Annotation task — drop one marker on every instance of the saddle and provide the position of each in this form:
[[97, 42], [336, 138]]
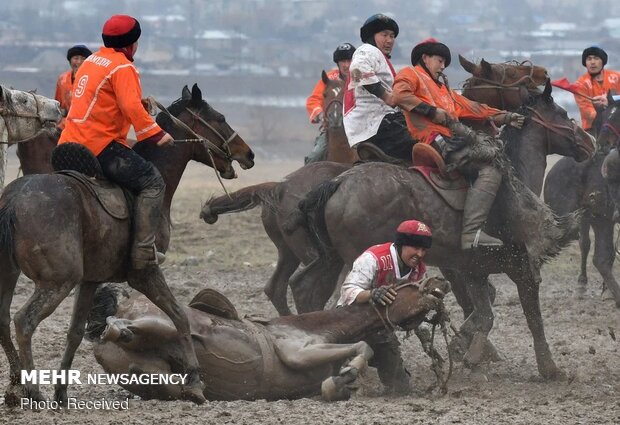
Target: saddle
[[450, 185], [213, 302], [76, 161]]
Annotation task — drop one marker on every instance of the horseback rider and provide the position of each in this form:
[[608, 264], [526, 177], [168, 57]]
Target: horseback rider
[[76, 55], [595, 83], [370, 114], [370, 280], [433, 110], [106, 101], [314, 104]]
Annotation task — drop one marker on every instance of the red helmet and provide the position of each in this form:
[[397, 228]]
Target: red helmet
[[413, 233]]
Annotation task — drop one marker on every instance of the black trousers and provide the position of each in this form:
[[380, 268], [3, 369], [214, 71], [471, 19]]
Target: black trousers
[[393, 137], [126, 168]]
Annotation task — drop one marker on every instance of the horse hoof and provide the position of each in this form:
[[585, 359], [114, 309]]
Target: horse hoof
[[61, 396], [14, 394], [554, 374], [480, 351], [334, 389], [194, 395], [582, 281]]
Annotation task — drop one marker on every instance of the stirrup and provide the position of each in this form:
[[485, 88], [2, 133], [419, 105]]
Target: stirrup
[[140, 261], [481, 239], [370, 152]]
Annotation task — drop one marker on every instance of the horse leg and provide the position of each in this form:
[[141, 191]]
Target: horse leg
[[315, 355], [604, 254], [584, 249], [151, 282], [81, 306], [314, 284], [459, 290], [528, 285], [45, 299], [277, 286], [8, 281]]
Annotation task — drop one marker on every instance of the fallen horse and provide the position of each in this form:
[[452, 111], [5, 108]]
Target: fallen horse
[[287, 357]]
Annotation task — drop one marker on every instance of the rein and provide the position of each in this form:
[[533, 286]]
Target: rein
[[197, 139], [327, 114], [554, 128], [441, 318]]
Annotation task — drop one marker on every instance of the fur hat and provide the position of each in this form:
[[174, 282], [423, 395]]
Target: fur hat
[[377, 23], [343, 52], [78, 50], [120, 31], [594, 51], [413, 233], [430, 46]]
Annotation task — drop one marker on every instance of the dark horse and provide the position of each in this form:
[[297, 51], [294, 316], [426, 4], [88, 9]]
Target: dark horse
[[279, 200], [571, 185], [363, 206], [288, 357], [56, 233]]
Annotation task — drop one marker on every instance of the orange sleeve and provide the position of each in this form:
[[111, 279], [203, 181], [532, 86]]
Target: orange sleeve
[[468, 109], [314, 103], [126, 84], [404, 89], [58, 94]]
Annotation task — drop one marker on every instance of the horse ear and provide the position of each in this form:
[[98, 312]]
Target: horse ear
[[467, 65], [196, 95], [324, 77], [547, 92], [186, 94], [487, 69]]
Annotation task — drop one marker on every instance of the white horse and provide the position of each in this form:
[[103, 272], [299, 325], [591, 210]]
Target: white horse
[[24, 115]]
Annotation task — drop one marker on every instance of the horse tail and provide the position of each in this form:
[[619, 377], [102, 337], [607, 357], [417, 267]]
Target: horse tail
[[105, 304], [311, 215], [560, 235], [242, 200], [8, 219]]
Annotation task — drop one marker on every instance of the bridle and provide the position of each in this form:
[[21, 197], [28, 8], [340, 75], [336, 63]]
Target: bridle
[[607, 125], [501, 86], [7, 112], [222, 151], [330, 104], [570, 134]]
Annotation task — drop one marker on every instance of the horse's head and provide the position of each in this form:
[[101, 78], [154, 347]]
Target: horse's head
[[562, 135], [502, 85], [24, 114], [332, 101], [223, 144], [609, 133], [414, 300]]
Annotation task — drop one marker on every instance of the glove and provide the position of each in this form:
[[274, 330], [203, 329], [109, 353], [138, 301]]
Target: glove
[[318, 118], [441, 117], [383, 295]]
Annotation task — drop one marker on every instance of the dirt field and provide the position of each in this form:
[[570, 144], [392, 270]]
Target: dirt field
[[236, 257]]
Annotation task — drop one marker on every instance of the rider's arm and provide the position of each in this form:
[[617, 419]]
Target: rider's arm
[[404, 95], [126, 84], [469, 109], [359, 282], [314, 103]]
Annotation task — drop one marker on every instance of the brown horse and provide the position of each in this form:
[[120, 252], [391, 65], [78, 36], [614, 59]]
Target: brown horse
[[505, 86], [288, 357], [571, 185], [58, 234], [338, 148], [379, 196]]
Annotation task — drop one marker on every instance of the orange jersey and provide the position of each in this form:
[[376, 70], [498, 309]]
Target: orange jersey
[[64, 87], [413, 86], [611, 81], [106, 102], [314, 103]]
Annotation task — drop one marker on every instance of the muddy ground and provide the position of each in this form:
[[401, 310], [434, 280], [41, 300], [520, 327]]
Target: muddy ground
[[236, 257]]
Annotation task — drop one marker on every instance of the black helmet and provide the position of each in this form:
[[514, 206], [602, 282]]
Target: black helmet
[[375, 24], [343, 52], [594, 51], [430, 46], [78, 50]]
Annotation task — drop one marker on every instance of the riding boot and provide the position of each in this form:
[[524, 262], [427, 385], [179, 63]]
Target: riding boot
[[389, 363], [477, 206], [146, 222]]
